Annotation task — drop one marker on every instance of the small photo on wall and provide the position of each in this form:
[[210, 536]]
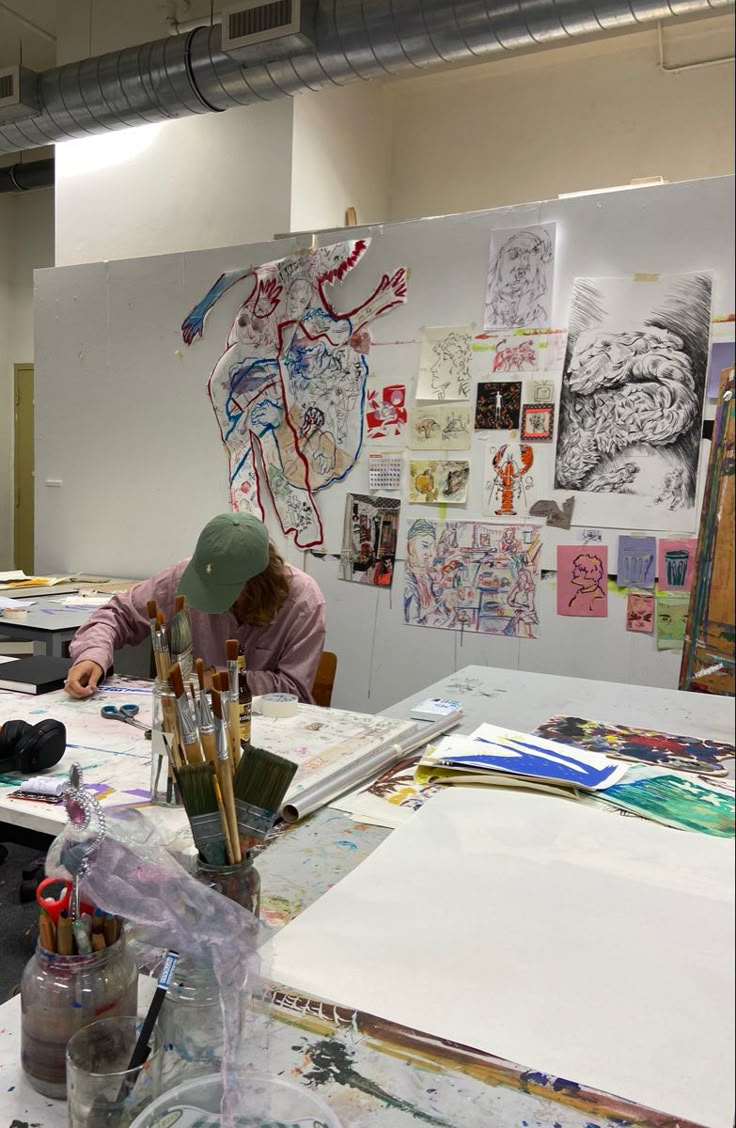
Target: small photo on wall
[[498, 406], [537, 422]]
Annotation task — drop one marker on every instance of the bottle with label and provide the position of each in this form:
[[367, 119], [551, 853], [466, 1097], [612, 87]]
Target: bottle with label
[[245, 701]]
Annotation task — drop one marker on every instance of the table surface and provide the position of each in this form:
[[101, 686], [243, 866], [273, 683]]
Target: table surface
[[375, 1074]]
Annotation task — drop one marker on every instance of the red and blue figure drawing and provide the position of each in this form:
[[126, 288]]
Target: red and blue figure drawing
[[289, 390]]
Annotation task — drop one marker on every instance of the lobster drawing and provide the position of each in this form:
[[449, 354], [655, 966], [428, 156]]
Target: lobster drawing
[[508, 474]]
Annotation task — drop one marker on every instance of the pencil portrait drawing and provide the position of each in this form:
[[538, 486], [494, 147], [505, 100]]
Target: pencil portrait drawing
[[520, 274]]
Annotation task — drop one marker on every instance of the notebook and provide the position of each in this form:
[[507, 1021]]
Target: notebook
[[37, 674]]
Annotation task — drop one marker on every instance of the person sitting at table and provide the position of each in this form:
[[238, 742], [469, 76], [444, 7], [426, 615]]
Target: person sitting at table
[[237, 586]]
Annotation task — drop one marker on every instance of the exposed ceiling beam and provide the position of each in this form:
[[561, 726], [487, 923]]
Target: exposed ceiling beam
[[29, 24]]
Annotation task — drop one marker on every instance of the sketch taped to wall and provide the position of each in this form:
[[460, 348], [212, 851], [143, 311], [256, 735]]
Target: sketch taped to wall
[[537, 422], [671, 619], [472, 576], [675, 564], [441, 426], [386, 413], [582, 580], [432, 482], [640, 613], [289, 389], [520, 275], [632, 397], [637, 561], [498, 405], [369, 539], [508, 483], [444, 363]]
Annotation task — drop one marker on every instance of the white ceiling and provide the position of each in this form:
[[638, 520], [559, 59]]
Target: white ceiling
[[38, 50]]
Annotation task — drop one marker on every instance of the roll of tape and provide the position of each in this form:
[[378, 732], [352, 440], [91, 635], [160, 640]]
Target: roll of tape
[[279, 704], [14, 613]]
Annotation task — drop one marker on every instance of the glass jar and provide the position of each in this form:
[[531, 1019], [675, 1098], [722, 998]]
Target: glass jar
[[164, 792], [190, 1023], [61, 994], [240, 883]]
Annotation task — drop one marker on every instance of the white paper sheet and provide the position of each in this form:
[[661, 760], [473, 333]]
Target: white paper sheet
[[594, 948]]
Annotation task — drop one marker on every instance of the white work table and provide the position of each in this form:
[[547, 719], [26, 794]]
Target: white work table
[[301, 864], [48, 627]]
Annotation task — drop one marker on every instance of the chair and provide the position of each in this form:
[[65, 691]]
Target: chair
[[324, 679]]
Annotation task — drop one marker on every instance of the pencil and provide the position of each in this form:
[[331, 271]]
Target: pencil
[[108, 929], [64, 935], [47, 932]]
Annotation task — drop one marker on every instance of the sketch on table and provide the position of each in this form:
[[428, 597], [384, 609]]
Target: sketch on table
[[582, 581], [441, 426], [444, 363], [671, 620], [435, 482], [633, 388], [386, 413], [537, 422], [370, 532], [498, 405], [520, 275], [676, 563], [636, 561], [472, 576], [640, 613], [288, 391], [508, 480]]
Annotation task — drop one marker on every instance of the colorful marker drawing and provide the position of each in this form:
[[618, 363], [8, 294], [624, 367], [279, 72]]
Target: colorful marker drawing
[[681, 753], [471, 576], [289, 389]]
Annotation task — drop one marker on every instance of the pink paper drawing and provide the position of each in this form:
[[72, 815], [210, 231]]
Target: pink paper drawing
[[386, 411], [675, 563], [582, 580], [640, 613]]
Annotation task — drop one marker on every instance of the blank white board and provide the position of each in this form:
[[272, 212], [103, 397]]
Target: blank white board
[[123, 421], [565, 939]]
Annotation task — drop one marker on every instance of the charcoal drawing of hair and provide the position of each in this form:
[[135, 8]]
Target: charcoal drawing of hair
[[632, 397]]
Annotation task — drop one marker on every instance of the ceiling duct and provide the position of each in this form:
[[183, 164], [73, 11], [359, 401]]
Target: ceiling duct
[[355, 39]]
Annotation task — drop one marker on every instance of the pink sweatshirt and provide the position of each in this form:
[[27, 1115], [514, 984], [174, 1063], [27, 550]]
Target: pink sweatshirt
[[281, 658]]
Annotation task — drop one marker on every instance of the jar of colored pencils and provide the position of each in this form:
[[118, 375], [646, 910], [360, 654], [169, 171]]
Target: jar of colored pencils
[[164, 745], [241, 882], [61, 994]]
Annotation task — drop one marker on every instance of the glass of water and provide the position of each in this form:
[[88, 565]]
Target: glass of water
[[102, 1092]]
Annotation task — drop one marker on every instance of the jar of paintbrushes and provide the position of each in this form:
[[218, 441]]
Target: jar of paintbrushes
[[63, 989]]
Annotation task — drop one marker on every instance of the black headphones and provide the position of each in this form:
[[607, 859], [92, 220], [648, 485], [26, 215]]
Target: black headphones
[[31, 748]]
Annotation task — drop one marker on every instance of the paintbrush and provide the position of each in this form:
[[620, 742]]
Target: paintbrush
[[205, 719], [224, 775], [142, 1047], [221, 681], [234, 712], [152, 609], [196, 783], [187, 726], [181, 636], [259, 787]]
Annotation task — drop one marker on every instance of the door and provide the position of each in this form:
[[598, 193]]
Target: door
[[24, 476]]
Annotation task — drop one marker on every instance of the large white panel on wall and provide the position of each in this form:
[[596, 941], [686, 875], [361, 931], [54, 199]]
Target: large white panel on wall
[[125, 423]]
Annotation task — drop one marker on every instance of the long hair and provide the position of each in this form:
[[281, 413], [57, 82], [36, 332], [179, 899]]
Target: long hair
[[263, 597]]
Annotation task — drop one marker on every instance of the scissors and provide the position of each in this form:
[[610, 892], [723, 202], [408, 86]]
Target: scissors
[[124, 713], [55, 906]]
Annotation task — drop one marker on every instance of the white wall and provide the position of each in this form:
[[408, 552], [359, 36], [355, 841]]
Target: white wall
[[114, 379], [26, 243], [340, 156], [210, 181], [586, 116]]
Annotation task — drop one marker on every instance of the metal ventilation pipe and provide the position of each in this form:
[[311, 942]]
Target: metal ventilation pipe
[[25, 177], [190, 74]]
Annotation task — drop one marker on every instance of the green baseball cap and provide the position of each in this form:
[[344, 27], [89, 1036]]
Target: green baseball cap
[[231, 549]]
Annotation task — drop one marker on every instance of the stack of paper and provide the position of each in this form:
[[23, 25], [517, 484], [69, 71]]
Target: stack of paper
[[479, 757]]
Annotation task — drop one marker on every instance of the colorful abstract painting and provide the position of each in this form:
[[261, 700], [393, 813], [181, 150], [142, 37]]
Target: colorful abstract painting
[[675, 564], [681, 753], [370, 532], [674, 800], [472, 576], [582, 580], [640, 613], [637, 559], [498, 406], [289, 389]]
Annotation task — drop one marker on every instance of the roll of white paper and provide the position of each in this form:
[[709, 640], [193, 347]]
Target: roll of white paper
[[279, 704]]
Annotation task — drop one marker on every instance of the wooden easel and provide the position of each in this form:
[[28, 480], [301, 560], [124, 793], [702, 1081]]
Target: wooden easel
[[708, 652]]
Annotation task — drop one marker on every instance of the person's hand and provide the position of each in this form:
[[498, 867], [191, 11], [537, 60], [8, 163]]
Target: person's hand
[[82, 679]]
